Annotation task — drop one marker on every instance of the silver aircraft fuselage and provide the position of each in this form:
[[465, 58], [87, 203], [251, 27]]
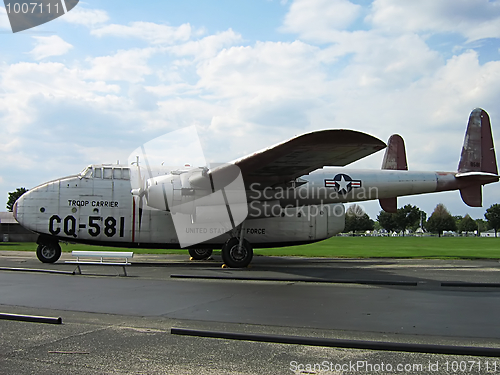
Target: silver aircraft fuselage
[[98, 208]]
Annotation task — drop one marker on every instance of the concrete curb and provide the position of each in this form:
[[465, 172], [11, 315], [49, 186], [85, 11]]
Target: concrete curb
[[341, 343]]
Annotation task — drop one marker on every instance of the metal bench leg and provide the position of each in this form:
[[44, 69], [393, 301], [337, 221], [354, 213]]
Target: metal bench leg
[[124, 271], [79, 269]]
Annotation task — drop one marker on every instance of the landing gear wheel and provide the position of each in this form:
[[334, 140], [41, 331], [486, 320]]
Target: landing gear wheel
[[200, 254], [48, 252], [235, 256]]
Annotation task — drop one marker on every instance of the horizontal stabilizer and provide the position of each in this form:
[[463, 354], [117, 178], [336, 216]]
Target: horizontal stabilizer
[[389, 204], [471, 182], [478, 177], [472, 195]]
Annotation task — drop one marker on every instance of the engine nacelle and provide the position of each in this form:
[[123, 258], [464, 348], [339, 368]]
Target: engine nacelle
[[173, 193], [160, 192], [218, 200]]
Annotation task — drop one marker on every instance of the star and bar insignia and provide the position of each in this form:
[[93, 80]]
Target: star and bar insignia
[[343, 183]]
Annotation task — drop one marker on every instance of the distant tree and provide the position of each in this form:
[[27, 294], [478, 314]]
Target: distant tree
[[492, 215], [458, 220], [405, 217], [357, 220], [441, 220], [14, 196], [387, 221], [467, 224], [482, 225], [365, 223]]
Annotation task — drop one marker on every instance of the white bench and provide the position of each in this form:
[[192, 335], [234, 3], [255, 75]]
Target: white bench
[[106, 258]]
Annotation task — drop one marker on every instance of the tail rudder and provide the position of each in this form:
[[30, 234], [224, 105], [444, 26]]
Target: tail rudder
[[394, 159], [478, 151], [395, 154], [478, 163]]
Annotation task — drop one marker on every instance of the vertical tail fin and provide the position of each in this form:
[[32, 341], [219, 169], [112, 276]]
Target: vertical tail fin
[[478, 152], [394, 159], [395, 154], [478, 158]]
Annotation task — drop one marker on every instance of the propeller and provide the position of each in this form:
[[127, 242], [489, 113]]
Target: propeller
[[142, 189], [195, 197], [139, 183]]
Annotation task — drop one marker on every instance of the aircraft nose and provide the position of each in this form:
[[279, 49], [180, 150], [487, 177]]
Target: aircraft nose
[[19, 208], [14, 210]]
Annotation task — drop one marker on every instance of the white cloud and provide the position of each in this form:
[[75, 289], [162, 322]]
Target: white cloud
[[268, 70], [464, 83], [472, 19], [25, 84], [143, 99], [125, 65], [151, 32], [48, 79], [49, 46], [207, 47], [380, 61], [86, 17], [315, 20]]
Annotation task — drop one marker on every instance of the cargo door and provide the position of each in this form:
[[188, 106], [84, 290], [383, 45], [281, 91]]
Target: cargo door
[[320, 220]]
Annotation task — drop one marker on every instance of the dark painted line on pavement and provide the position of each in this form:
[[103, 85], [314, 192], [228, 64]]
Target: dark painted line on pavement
[[31, 318], [466, 284], [340, 343], [300, 280], [36, 270]]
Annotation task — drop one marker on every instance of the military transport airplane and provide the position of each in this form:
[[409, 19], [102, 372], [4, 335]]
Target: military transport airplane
[[294, 190]]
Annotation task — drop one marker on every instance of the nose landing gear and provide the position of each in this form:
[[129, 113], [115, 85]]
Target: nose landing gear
[[48, 250]]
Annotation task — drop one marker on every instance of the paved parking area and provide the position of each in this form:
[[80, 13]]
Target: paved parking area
[[121, 325]]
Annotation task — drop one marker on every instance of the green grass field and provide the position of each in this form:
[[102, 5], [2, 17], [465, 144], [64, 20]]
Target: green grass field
[[347, 247]]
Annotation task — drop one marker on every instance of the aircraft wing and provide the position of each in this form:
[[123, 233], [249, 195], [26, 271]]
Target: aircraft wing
[[303, 154]]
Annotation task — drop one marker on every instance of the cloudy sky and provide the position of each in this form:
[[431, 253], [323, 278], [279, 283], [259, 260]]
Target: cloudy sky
[[93, 85]]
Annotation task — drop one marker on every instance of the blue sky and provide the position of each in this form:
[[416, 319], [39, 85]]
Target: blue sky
[[93, 85]]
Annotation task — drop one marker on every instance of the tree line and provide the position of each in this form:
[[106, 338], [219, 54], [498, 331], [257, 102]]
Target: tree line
[[411, 218]]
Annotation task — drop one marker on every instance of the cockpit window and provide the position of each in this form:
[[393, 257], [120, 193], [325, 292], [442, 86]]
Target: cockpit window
[[108, 172], [126, 174], [86, 173], [117, 173]]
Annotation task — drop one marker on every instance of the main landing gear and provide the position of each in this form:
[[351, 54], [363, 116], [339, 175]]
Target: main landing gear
[[200, 254], [48, 250], [237, 251]]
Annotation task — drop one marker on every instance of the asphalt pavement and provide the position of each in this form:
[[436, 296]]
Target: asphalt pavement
[[122, 325]]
